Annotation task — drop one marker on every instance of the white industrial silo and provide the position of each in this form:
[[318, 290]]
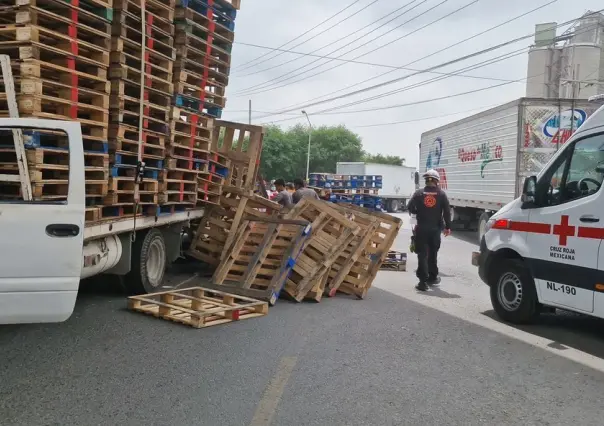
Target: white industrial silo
[[543, 74]]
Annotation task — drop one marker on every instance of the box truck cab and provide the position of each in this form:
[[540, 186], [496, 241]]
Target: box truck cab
[[544, 250]]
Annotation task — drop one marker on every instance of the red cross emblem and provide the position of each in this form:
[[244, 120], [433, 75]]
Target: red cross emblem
[[564, 230]]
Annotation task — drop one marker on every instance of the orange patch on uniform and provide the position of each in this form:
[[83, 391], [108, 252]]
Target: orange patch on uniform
[[429, 201]]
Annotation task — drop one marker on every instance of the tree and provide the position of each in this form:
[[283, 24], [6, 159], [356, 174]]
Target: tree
[[384, 159], [284, 151]]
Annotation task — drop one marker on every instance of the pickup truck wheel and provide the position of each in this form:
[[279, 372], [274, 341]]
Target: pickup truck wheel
[[148, 263], [513, 293], [393, 206], [482, 225]]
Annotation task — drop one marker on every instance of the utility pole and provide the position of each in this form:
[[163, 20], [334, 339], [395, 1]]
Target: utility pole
[[310, 129], [250, 113]]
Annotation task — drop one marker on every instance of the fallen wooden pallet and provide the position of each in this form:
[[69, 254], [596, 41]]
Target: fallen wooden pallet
[[198, 307], [217, 230], [331, 233], [263, 254], [354, 259], [364, 270]]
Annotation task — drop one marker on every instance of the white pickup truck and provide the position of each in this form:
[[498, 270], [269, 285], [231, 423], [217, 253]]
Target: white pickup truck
[[47, 247]]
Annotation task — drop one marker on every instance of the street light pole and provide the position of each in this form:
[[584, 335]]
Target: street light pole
[[309, 140]]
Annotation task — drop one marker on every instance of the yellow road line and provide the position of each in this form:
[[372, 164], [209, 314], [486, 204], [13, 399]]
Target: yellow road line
[[272, 395]]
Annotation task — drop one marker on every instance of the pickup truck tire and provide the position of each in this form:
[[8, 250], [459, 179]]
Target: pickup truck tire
[[513, 293], [148, 263], [392, 206]]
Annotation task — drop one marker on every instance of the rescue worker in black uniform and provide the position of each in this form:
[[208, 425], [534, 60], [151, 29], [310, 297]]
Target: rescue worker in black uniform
[[431, 207]]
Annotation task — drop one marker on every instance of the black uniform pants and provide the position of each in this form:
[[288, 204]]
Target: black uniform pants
[[427, 244]]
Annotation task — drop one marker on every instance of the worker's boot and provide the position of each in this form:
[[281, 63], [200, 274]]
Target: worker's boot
[[433, 281], [421, 286]]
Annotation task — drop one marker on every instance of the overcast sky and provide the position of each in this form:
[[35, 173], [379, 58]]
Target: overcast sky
[[271, 23]]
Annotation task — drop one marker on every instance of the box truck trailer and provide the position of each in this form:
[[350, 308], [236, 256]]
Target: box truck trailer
[[483, 159], [398, 182]]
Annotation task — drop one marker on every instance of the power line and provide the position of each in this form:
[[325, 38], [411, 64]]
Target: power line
[[243, 66], [435, 79], [306, 41], [403, 67], [440, 98], [460, 59], [434, 117], [373, 64], [375, 49], [456, 73], [270, 82], [444, 97]]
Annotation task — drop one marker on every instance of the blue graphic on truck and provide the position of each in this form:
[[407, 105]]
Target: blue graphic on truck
[[435, 154]]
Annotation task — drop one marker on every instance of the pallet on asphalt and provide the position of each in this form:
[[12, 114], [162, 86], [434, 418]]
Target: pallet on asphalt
[[395, 261], [376, 251], [351, 260], [331, 233], [198, 307], [262, 249]]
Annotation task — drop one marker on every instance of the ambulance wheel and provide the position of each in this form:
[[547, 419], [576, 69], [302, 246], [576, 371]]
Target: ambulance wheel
[[482, 225], [148, 263], [513, 293]]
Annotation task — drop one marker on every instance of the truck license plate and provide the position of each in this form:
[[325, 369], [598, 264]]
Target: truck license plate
[[475, 257]]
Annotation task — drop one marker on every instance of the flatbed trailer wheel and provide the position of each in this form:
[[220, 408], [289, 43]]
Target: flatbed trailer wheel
[[148, 263]]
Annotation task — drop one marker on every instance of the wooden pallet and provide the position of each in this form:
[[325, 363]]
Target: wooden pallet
[[198, 307], [262, 249], [218, 228], [195, 19], [354, 258], [59, 43], [395, 261], [363, 272], [331, 233], [241, 145]]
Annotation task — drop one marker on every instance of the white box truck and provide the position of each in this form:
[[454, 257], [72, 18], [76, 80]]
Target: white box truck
[[398, 182], [483, 159]]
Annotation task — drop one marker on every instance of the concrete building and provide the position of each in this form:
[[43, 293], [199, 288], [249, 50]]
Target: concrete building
[[570, 65]]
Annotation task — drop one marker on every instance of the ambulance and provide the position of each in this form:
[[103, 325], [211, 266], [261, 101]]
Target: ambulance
[[544, 250]]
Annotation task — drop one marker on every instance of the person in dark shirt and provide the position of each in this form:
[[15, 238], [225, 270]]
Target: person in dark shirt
[[283, 197], [302, 191], [432, 210]]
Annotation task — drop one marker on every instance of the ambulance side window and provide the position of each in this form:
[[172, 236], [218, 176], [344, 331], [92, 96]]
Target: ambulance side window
[[577, 173]]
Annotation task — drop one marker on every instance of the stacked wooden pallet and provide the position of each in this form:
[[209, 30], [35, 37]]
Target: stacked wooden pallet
[[142, 61], [314, 249], [60, 57]]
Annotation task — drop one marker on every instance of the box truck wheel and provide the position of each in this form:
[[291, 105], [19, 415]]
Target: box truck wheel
[[513, 293], [148, 262], [482, 224], [393, 206]]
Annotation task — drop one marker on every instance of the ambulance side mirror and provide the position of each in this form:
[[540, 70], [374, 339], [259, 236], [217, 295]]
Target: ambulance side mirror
[[528, 191]]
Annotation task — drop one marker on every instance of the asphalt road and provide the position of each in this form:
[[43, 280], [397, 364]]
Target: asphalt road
[[397, 358]]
